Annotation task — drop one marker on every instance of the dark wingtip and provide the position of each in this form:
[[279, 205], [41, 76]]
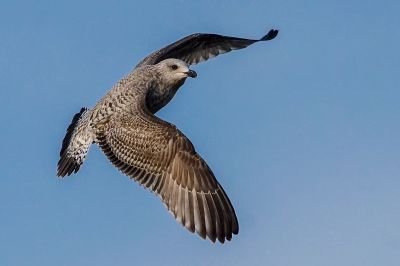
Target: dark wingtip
[[66, 166], [70, 130], [270, 35]]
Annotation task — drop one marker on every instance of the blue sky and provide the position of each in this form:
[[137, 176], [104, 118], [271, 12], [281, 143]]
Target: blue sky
[[302, 132]]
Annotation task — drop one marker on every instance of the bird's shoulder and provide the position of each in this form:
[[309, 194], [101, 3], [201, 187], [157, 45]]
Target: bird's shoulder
[[140, 128]]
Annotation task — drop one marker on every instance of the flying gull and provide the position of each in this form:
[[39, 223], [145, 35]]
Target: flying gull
[[150, 150]]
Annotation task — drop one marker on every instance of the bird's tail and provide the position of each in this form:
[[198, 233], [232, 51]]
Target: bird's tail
[[76, 144]]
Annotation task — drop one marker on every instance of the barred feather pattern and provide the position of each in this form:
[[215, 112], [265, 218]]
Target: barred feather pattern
[[75, 144], [160, 158]]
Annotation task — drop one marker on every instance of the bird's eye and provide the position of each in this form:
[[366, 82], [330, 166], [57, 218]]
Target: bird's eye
[[174, 67]]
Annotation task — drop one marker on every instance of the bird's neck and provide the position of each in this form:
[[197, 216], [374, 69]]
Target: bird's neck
[[160, 94]]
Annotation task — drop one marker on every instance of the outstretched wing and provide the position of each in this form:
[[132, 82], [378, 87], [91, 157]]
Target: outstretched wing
[[158, 156], [200, 47]]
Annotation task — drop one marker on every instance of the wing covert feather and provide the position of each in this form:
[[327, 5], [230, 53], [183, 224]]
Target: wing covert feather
[[161, 158]]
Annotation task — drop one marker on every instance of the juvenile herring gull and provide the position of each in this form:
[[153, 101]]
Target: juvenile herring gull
[[150, 150]]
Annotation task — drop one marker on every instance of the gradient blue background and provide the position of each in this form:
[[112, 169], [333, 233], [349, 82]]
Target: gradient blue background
[[302, 132]]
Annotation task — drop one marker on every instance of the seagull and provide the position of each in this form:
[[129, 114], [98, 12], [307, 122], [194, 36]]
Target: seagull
[[153, 152]]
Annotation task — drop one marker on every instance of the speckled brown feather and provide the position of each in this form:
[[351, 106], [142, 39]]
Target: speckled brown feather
[[158, 156]]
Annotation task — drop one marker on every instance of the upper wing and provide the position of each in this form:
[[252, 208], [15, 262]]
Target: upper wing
[[200, 47], [158, 156]]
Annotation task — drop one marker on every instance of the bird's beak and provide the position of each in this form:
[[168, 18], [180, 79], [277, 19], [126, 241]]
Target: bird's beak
[[191, 73]]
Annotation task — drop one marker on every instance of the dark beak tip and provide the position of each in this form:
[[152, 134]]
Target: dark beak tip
[[192, 73]]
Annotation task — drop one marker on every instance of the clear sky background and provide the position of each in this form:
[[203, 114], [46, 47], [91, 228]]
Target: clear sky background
[[302, 132]]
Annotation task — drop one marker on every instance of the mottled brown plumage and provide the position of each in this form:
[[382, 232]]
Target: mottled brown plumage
[[152, 151], [161, 158]]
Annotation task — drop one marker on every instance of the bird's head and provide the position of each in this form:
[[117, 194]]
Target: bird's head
[[174, 70]]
